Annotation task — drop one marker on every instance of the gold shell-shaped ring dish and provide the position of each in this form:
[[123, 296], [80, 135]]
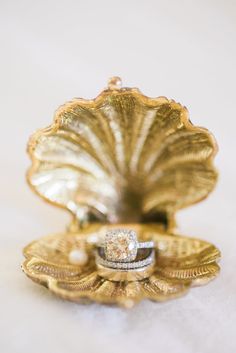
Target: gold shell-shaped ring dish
[[122, 161]]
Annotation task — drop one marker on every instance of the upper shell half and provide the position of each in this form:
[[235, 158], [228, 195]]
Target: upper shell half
[[122, 157]]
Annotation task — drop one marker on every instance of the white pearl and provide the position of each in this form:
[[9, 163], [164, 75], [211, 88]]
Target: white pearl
[[78, 257]]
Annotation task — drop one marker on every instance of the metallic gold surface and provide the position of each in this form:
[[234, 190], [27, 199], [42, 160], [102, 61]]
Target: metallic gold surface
[[181, 263], [122, 160], [122, 157]]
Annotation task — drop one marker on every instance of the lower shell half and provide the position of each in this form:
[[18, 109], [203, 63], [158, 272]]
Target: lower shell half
[[180, 262]]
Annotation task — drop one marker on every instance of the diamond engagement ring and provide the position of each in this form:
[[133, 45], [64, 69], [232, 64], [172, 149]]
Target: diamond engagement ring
[[121, 245], [120, 255]]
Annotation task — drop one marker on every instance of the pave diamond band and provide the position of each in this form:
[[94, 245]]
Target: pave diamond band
[[146, 244], [114, 274], [126, 265]]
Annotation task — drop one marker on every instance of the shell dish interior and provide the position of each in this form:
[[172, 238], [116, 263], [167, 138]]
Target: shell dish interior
[[122, 157]]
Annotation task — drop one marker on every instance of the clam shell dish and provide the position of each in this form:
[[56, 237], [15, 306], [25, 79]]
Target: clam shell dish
[[121, 160]]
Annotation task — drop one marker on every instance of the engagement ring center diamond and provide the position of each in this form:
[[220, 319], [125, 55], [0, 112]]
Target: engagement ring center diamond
[[121, 245]]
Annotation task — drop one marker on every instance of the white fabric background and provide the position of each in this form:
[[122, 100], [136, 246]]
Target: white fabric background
[[52, 51]]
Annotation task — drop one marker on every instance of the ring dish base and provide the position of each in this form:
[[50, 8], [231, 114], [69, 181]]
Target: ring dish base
[[181, 262]]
